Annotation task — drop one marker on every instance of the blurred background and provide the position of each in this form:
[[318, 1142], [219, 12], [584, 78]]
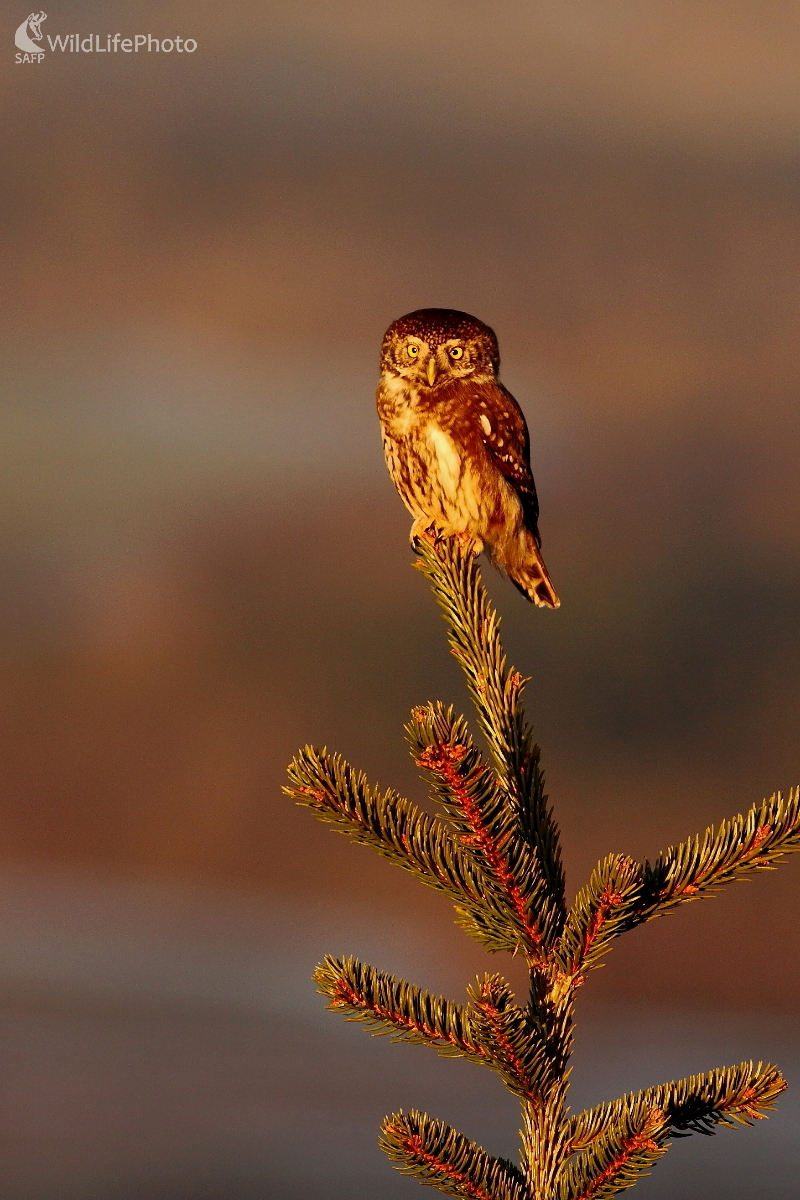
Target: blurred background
[[205, 565]]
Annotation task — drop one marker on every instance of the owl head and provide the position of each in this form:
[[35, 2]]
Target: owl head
[[433, 346]]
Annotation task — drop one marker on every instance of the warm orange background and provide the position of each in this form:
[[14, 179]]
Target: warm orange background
[[205, 564]]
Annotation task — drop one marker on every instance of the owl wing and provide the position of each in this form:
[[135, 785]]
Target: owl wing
[[505, 435]]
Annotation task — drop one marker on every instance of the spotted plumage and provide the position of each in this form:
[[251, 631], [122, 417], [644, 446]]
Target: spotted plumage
[[456, 443]]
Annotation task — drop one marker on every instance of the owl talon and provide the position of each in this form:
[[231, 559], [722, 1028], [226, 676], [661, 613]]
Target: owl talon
[[470, 544], [432, 534], [422, 531]]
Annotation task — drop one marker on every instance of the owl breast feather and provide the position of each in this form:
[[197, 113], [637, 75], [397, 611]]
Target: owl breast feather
[[446, 461], [445, 482], [439, 464]]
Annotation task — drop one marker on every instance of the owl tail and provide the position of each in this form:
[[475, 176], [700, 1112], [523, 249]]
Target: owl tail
[[520, 558]]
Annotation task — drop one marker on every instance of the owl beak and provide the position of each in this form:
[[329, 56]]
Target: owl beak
[[431, 370]]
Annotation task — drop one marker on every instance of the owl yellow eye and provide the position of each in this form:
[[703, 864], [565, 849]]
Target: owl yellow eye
[[412, 351], [456, 352]]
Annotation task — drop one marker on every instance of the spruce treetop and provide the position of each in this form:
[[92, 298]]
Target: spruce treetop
[[494, 852]]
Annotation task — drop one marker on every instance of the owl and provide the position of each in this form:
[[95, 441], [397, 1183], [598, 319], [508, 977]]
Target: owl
[[456, 443]]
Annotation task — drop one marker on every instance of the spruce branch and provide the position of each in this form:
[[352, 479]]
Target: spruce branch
[[389, 1005], [622, 894], [618, 1159], [443, 1158], [724, 1096], [600, 912], [496, 690], [405, 835], [739, 848], [618, 1142], [475, 803], [492, 1030], [530, 1063]]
